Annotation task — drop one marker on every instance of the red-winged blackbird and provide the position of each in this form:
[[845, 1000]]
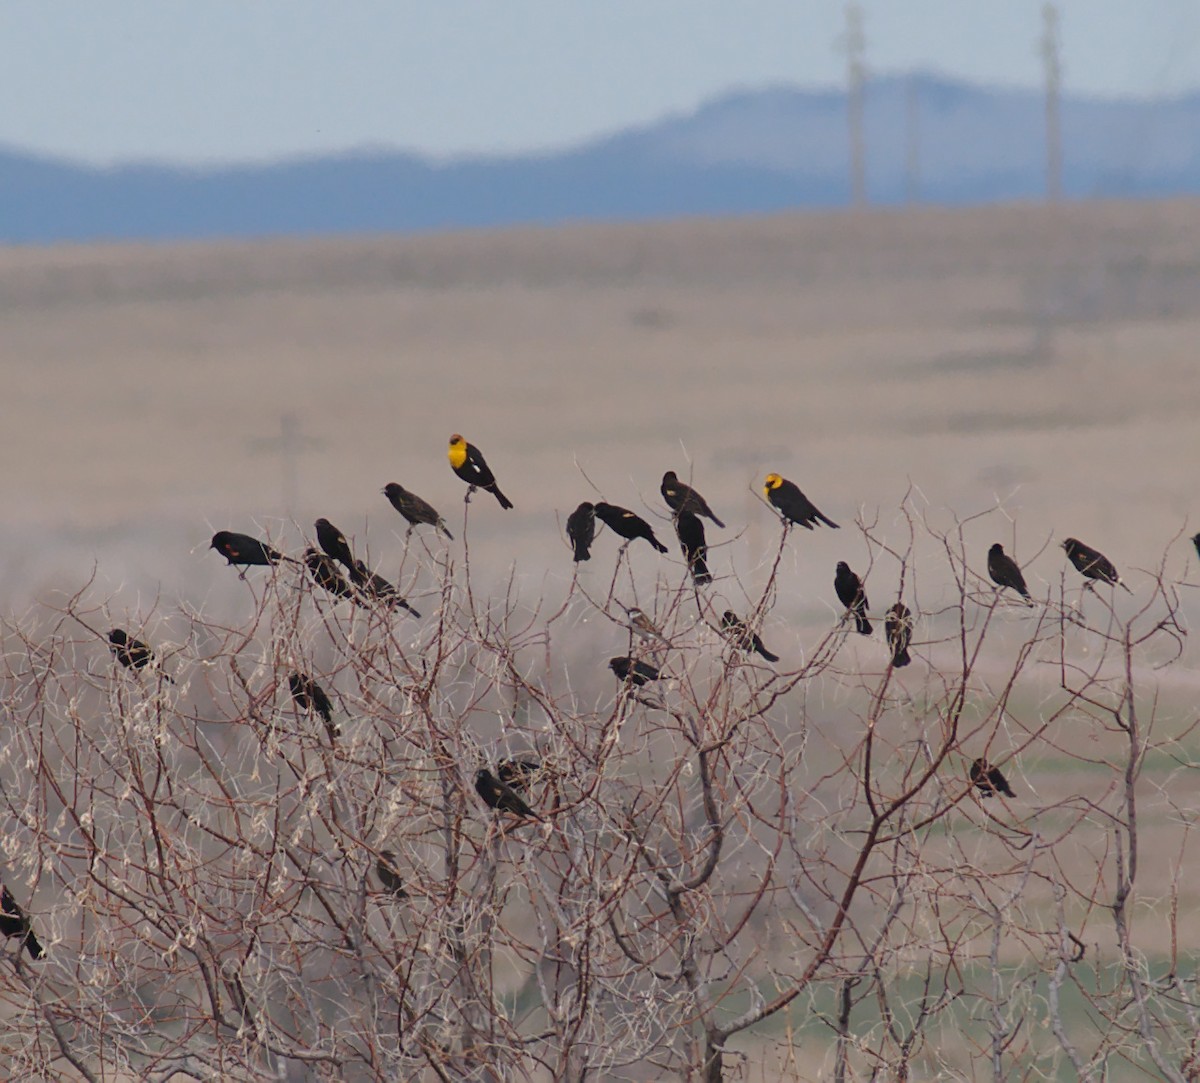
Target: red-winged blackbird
[[500, 795], [467, 462], [695, 549], [325, 574], [629, 525], [414, 509], [633, 671], [389, 875], [581, 529], [519, 774], [243, 549], [742, 637], [333, 541], [792, 504], [989, 780], [310, 696], [132, 653], [15, 922], [1092, 563], [1005, 573], [898, 628], [682, 497], [374, 587], [1196, 543], [850, 593]]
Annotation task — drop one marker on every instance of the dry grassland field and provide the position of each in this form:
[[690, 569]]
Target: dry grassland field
[[1036, 363]]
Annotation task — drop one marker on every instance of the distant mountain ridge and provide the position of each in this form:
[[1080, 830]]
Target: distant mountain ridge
[[747, 151]]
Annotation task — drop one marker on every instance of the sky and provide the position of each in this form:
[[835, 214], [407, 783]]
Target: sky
[[196, 81]]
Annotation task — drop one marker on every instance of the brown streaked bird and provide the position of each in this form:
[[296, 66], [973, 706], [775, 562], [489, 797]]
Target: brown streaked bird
[[373, 587], [989, 780], [898, 628], [333, 541], [743, 637], [694, 546], [133, 653], [244, 550], [633, 671], [850, 593], [325, 574], [682, 497], [643, 627], [581, 529], [468, 463], [389, 874], [1005, 572], [500, 795], [785, 496], [1092, 563], [310, 696], [627, 524], [414, 509], [15, 922]]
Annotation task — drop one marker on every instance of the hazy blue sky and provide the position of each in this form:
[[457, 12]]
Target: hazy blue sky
[[234, 79]]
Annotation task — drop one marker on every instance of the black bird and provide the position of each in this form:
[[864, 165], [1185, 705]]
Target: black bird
[[243, 549], [15, 922], [325, 574], [681, 497], [629, 525], [792, 504], [389, 875], [414, 509], [1196, 543], [374, 587], [989, 780], [850, 593], [1092, 563], [310, 696], [333, 541], [467, 462], [633, 671], [1004, 571], [581, 529], [743, 637], [695, 549], [132, 653], [519, 774], [898, 628], [500, 795]]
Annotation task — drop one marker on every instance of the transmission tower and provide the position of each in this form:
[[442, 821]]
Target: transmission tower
[[854, 43], [1053, 72]]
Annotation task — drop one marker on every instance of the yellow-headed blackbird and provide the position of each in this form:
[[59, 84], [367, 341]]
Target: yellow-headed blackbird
[[414, 509], [1092, 563], [581, 529], [632, 670], [519, 774], [643, 627], [500, 795], [1004, 571], [626, 523], [989, 780], [470, 465], [682, 497], [898, 628], [373, 587], [694, 546], [325, 574], [310, 696], [15, 922], [333, 541], [132, 653], [389, 875], [792, 504], [243, 549], [743, 637], [850, 593]]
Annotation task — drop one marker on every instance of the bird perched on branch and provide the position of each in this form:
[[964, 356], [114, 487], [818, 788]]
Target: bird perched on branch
[[1004, 571], [414, 509], [633, 671], [690, 532], [627, 524], [244, 550], [683, 498], [310, 696], [500, 795], [581, 529], [389, 874], [850, 593], [1092, 563], [375, 588], [15, 922], [898, 628], [519, 774], [325, 574], [989, 780], [132, 653], [333, 541], [469, 464], [643, 627], [743, 637], [792, 504]]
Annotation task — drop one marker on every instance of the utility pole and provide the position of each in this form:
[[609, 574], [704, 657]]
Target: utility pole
[[1053, 71], [289, 445], [854, 43], [912, 140]]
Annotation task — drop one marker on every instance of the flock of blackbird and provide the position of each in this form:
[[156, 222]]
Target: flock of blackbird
[[506, 790]]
